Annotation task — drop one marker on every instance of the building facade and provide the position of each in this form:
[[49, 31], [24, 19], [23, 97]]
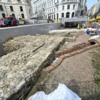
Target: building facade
[[39, 7], [95, 10], [56, 9], [19, 8]]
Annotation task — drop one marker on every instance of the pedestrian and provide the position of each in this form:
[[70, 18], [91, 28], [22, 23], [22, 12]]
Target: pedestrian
[[21, 21], [14, 22], [88, 32], [2, 23], [78, 26], [84, 25], [6, 22]]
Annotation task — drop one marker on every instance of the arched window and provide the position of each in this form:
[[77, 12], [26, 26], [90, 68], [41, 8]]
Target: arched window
[[62, 15], [13, 15], [67, 15], [1, 8], [3, 15], [22, 15], [73, 14]]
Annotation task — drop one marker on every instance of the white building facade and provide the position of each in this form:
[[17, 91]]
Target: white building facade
[[39, 7], [19, 8], [56, 9]]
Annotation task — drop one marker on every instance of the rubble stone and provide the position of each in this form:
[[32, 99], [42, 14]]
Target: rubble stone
[[22, 41], [22, 66]]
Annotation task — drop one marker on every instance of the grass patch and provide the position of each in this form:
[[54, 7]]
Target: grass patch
[[96, 65], [97, 81]]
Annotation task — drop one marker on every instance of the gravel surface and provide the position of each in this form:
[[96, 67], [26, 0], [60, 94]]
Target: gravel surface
[[78, 67], [76, 70], [80, 39]]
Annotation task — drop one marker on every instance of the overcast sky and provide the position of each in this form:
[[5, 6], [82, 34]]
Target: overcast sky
[[90, 3]]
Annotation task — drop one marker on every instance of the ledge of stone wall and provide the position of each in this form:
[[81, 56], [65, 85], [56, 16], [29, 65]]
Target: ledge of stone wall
[[10, 32]]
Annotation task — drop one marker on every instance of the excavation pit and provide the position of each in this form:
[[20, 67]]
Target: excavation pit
[[20, 68], [76, 48]]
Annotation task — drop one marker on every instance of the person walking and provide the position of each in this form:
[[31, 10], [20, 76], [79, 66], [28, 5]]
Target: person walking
[[78, 26], [6, 22], [88, 32]]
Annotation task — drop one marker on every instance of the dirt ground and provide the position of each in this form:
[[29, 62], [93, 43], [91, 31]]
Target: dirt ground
[[74, 70], [80, 38], [77, 68]]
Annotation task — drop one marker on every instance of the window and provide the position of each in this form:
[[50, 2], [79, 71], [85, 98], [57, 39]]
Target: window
[[73, 14], [62, 14], [73, 6], [63, 7], [49, 17], [54, 9], [22, 15], [3, 15], [21, 8], [67, 15], [13, 15], [54, 16], [11, 8], [68, 7], [82, 12], [19, 1], [57, 16], [9, 0], [1, 8]]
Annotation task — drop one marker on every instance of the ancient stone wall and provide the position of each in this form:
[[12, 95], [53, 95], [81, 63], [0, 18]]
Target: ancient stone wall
[[20, 69]]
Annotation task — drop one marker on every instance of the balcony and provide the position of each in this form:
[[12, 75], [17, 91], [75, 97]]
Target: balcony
[[70, 1]]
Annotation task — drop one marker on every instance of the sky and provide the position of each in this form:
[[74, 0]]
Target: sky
[[90, 3]]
